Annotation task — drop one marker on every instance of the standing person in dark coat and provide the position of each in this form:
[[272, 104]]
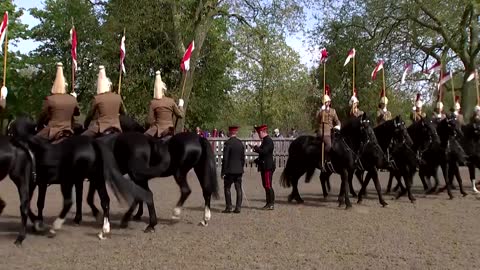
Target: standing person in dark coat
[[265, 164], [233, 162]]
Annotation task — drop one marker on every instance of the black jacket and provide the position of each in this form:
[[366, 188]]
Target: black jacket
[[265, 154], [233, 159]]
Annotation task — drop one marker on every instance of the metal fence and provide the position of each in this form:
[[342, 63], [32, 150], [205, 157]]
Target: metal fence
[[280, 152]]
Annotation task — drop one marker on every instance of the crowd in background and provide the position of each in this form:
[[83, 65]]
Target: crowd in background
[[216, 133]]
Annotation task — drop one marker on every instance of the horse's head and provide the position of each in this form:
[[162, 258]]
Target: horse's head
[[400, 133], [22, 127], [448, 128], [426, 132]]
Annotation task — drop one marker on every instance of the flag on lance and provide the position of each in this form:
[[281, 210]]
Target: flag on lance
[[377, 69], [351, 54], [323, 55], [3, 28], [445, 78], [185, 64], [73, 40], [122, 54], [433, 68], [408, 69]]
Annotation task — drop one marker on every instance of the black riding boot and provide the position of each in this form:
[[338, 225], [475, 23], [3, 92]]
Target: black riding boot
[[267, 198], [272, 199], [228, 200], [238, 205]]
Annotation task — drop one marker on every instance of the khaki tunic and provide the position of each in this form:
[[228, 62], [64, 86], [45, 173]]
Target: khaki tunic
[[57, 113], [104, 113], [382, 116], [160, 116], [329, 118], [3, 104], [417, 116]]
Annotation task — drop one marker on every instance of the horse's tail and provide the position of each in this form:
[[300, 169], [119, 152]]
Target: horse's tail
[[123, 187], [209, 169], [24, 146], [285, 179]]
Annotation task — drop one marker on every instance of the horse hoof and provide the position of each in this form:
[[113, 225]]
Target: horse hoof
[[384, 204], [137, 218], [354, 195], [203, 223], [124, 224], [19, 241], [175, 217], [52, 233], [464, 194], [102, 236], [359, 201], [450, 197], [348, 206], [290, 198], [39, 226], [149, 229], [77, 221], [300, 201]]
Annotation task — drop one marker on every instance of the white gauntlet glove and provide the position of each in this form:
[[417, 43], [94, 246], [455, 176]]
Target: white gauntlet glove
[[180, 102], [384, 110], [3, 93], [74, 94]]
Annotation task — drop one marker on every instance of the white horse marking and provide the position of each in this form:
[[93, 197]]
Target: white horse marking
[[176, 213], [57, 224]]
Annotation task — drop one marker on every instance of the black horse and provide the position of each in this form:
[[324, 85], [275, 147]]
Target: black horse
[[304, 156], [18, 162], [143, 158], [69, 163], [471, 144], [437, 147], [395, 142]]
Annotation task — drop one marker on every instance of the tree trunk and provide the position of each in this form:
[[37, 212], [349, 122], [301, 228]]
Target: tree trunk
[[469, 97]]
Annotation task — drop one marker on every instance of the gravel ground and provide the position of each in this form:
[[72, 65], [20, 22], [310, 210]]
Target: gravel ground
[[433, 233]]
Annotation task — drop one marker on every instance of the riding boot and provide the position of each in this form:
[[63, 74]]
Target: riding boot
[[272, 199], [267, 198], [474, 187], [228, 200], [238, 205]]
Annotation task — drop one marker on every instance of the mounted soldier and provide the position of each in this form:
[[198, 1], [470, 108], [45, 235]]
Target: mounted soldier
[[162, 110], [355, 111], [327, 119], [438, 114], [58, 110], [417, 113], [105, 108], [383, 114]]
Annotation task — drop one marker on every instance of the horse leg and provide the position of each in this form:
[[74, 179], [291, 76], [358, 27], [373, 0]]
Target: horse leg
[[2, 205], [364, 187], [323, 182], [66, 189], [105, 203], [181, 179], [128, 215], [139, 214], [426, 186], [345, 188], [471, 172], [378, 187], [295, 195], [22, 184], [38, 223], [408, 182], [456, 172], [403, 189], [91, 200], [151, 212], [327, 183], [79, 201], [389, 185], [350, 184], [445, 169], [359, 175]]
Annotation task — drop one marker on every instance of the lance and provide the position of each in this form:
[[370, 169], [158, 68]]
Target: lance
[[5, 59]]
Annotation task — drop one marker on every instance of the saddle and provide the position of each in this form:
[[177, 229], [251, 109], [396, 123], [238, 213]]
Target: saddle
[[109, 131], [62, 135], [165, 135]]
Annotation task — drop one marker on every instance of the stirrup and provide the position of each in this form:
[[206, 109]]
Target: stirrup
[[327, 166]]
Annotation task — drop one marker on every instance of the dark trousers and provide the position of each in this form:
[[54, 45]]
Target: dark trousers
[[228, 180], [267, 185]]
